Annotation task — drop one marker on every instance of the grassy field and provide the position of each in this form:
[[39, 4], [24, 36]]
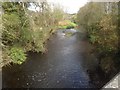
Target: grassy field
[[66, 24]]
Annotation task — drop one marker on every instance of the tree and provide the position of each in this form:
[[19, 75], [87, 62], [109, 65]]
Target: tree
[[24, 30], [89, 14], [101, 22]]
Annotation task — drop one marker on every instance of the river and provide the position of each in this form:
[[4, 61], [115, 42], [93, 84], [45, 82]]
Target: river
[[66, 64]]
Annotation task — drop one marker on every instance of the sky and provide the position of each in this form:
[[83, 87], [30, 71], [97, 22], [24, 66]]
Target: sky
[[70, 6]]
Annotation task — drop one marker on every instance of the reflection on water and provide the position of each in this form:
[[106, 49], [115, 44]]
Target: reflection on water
[[67, 64]]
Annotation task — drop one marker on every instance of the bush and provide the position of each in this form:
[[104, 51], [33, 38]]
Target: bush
[[17, 55], [27, 29], [11, 31]]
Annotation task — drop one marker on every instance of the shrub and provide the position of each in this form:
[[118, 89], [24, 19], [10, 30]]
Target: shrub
[[17, 55]]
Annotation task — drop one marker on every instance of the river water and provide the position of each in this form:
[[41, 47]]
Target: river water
[[66, 64]]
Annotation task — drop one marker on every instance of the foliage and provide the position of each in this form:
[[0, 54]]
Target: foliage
[[101, 25], [57, 13], [13, 31], [27, 29], [100, 21], [90, 14], [66, 24], [17, 55], [11, 23], [104, 35]]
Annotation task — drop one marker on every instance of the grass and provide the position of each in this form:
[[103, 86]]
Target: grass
[[66, 24]]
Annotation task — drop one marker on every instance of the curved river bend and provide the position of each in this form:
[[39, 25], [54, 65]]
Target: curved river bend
[[65, 65]]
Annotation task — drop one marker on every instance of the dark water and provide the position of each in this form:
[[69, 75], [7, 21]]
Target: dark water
[[66, 64]]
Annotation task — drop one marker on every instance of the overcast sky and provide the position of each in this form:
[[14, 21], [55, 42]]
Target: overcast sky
[[71, 6]]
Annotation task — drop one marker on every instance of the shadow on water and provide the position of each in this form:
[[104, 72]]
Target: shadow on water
[[67, 64]]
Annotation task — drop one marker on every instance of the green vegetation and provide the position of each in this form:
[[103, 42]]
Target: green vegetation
[[67, 24], [17, 55], [100, 21], [24, 30]]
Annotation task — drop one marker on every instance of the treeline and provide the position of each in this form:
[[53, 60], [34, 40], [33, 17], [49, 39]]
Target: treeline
[[100, 22], [24, 30]]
